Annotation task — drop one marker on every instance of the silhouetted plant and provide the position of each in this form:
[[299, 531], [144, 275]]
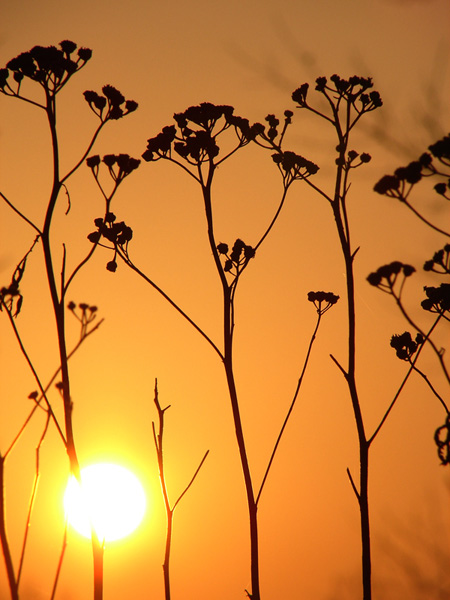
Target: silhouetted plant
[[348, 101], [435, 163], [170, 508], [51, 68], [193, 145], [430, 165]]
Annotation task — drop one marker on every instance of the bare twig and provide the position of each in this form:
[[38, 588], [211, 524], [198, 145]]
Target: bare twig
[[158, 439]]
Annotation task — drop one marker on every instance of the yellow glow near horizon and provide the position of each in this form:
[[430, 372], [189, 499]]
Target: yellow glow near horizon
[[110, 497]]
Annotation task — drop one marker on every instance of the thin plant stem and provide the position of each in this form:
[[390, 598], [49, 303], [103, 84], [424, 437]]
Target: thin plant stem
[[272, 223], [424, 220], [12, 580], [36, 377], [228, 329], [21, 215], [431, 386], [47, 387], [436, 350], [342, 125], [158, 439], [32, 497], [291, 408], [136, 269], [402, 385], [60, 562]]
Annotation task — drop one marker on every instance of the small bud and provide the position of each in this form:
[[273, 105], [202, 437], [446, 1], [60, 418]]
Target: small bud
[[111, 266]]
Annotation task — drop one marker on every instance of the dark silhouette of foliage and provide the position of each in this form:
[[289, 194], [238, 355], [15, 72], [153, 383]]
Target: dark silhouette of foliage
[[51, 68], [430, 165], [195, 143]]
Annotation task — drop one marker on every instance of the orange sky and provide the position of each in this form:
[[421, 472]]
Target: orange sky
[[252, 55]]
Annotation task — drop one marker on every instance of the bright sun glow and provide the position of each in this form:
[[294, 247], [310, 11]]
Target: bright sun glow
[[110, 497]]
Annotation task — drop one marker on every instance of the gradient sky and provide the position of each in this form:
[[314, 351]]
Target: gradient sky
[[252, 55]]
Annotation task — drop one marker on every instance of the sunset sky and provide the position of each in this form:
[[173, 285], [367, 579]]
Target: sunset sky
[[168, 56]]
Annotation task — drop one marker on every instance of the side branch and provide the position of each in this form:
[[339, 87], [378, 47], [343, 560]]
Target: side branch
[[171, 302], [291, 408], [340, 367], [353, 484]]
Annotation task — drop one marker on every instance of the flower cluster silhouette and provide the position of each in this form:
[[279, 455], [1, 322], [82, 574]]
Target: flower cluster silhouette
[[50, 66]]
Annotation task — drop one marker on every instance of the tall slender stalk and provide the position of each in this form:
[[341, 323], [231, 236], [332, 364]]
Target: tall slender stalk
[[51, 68], [348, 100], [12, 580], [350, 377], [158, 439]]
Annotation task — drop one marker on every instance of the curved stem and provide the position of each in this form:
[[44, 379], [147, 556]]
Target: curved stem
[[424, 220], [58, 303], [283, 198], [83, 158]]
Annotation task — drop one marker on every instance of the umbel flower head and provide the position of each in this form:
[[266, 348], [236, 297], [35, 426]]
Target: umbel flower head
[[440, 263], [355, 90], [441, 149], [395, 185], [238, 258], [118, 233], [400, 183], [293, 167], [194, 137], [111, 105], [119, 165], [50, 66], [323, 301], [437, 299], [405, 346], [385, 277]]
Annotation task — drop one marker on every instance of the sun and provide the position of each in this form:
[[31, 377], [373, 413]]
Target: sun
[[111, 499]]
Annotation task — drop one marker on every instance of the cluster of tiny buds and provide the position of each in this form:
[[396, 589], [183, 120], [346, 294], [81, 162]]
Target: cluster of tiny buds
[[354, 88], [349, 161], [440, 263], [50, 66], [295, 165], [405, 346], [85, 309], [112, 105], [385, 277], [437, 299], [239, 256], [323, 301], [394, 185], [119, 165]]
